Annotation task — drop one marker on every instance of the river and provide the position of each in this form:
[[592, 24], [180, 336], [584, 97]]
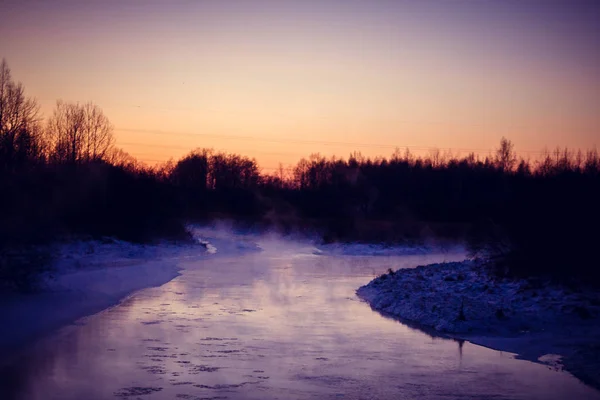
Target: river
[[281, 323]]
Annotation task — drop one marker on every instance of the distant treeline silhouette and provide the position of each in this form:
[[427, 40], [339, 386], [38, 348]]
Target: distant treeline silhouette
[[64, 176]]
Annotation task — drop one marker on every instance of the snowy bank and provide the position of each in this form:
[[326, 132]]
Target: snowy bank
[[462, 300], [87, 277], [461, 297], [369, 249]]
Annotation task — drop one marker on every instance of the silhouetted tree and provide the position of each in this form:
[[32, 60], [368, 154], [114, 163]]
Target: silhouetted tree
[[191, 172], [506, 158], [80, 133], [121, 158], [535, 218], [21, 139]]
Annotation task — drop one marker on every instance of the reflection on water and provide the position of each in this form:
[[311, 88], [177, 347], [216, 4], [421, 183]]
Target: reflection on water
[[279, 324]]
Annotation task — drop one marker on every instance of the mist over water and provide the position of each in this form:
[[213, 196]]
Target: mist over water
[[267, 318], [321, 144]]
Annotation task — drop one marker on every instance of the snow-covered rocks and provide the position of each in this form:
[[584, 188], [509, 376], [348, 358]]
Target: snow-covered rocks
[[463, 297]]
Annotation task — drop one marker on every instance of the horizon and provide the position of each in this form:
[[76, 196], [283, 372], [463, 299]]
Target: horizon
[[299, 199], [277, 81]]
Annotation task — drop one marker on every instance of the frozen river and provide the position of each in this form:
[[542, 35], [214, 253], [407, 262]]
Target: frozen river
[[281, 323]]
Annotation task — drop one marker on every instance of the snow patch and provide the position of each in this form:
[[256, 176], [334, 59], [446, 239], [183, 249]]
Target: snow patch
[[210, 249], [536, 320], [87, 277], [552, 360], [462, 297], [365, 249]]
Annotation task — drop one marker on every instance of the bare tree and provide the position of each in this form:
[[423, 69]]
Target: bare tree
[[436, 157], [301, 174], [506, 157], [282, 175], [121, 158], [80, 133], [66, 129], [98, 130], [20, 137]]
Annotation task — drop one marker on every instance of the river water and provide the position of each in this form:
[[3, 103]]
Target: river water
[[281, 323]]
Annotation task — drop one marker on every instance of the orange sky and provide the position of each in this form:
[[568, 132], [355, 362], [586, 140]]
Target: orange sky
[[278, 80]]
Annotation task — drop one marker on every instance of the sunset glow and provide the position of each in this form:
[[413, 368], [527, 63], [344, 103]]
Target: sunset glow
[[278, 80]]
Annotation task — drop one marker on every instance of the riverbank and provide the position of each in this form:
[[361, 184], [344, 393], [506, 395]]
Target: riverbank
[[86, 277], [536, 320]]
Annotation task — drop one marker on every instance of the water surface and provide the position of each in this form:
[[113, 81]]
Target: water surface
[[283, 323]]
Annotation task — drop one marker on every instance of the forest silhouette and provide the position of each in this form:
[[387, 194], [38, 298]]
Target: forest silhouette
[[64, 177]]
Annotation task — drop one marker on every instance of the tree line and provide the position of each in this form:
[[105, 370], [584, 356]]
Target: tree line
[[64, 176], [75, 133]]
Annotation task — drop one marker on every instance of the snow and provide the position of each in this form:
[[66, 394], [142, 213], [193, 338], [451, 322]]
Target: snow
[[367, 249], [87, 277], [224, 241], [209, 248], [461, 297], [539, 321]]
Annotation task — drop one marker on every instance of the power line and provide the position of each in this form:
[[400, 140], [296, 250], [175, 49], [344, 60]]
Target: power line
[[200, 110], [142, 158], [314, 142], [264, 153], [293, 141], [188, 148]]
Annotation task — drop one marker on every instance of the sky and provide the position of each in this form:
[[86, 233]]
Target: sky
[[278, 80]]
